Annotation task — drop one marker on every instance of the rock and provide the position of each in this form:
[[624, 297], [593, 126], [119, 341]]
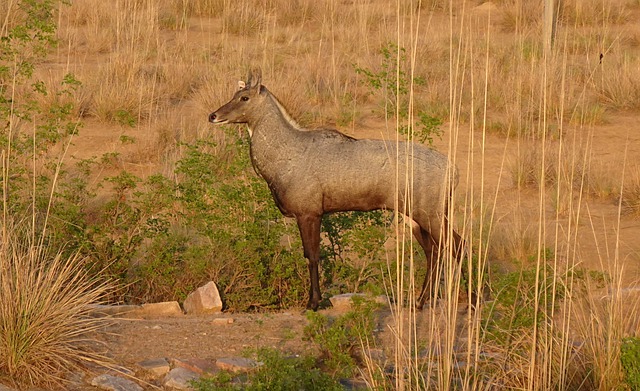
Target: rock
[[157, 366], [180, 378], [375, 354], [196, 365], [74, 378], [623, 293], [100, 310], [237, 364], [345, 300], [114, 383], [167, 308], [354, 384], [204, 300], [222, 321]]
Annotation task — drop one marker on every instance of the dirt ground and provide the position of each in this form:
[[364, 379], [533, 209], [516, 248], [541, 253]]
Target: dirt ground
[[130, 341], [188, 337]]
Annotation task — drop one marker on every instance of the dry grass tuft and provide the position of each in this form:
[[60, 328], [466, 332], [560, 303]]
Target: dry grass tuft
[[620, 83], [631, 196], [602, 320], [45, 322], [244, 18]]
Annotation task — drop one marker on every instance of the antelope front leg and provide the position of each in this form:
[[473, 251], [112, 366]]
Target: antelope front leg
[[309, 227]]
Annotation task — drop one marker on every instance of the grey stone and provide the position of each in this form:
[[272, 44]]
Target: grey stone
[[354, 384], [114, 383], [157, 366], [204, 300], [197, 365], [625, 293], [100, 310], [180, 378], [375, 354], [237, 364]]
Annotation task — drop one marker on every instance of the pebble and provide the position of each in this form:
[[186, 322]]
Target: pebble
[[222, 321], [114, 383], [180, 378]]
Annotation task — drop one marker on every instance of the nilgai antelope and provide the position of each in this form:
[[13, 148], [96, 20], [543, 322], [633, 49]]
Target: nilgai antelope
[[314, 172]]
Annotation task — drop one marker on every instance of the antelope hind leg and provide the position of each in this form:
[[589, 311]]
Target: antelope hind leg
[[309, 227], [430, 247]]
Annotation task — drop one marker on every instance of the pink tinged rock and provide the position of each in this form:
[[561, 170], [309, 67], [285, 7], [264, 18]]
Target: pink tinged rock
[[221, 321], [237, 364], [156, 310], [204, 300], [157, 366], [197, 365]]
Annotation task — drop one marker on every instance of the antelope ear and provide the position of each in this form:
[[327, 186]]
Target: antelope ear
[[241, 85], [255, 78]]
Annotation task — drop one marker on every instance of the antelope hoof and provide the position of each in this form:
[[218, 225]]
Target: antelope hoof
[[312, 305]]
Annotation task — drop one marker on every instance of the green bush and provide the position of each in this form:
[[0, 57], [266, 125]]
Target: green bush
[[277, 373], [339, 339], [393, 82], [515, 308], [630, 360]]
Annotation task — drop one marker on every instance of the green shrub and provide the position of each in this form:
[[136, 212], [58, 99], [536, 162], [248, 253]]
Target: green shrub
[[339, 339], [393, 82], [515, 307], [277, 373], [630, 360]]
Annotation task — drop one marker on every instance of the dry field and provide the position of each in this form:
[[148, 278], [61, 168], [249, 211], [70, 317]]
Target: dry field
[[547, 143], [163, 66], [166, 65]]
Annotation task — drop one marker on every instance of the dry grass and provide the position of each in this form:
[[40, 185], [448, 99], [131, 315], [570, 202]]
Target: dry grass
[[45, 324], [631, 196]]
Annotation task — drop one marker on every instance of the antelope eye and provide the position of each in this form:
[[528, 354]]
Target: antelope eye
[[244, 98]]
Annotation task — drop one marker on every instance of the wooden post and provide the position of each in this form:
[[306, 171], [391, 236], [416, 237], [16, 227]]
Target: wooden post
[[549, 29]]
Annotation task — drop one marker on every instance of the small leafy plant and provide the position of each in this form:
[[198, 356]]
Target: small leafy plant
[[630, 360], [393, 82], [339, 339], [277, 372], [516, 307]]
